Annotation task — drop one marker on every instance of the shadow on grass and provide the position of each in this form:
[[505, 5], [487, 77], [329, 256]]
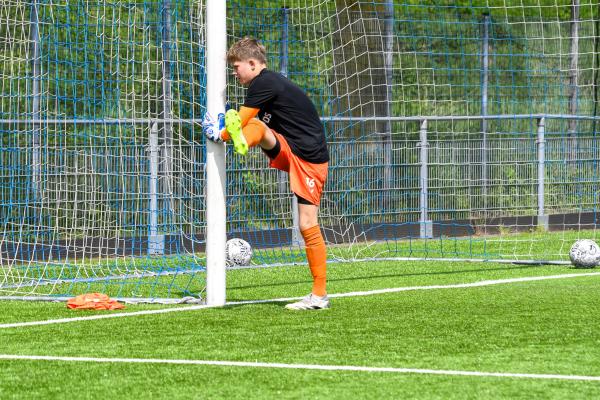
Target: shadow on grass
[[265, 304]]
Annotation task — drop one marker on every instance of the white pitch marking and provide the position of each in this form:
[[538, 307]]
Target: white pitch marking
[[318, 367], [287, 299], [463, 285]]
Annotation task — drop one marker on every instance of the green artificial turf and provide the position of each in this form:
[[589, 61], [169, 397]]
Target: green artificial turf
[[539, 327]]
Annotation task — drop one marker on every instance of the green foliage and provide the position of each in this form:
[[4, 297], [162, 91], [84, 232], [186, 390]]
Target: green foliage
[[102, 62]]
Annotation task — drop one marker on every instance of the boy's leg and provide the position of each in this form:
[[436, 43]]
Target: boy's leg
[[306, 181], [316, 251], [267, 140], [254, 133]]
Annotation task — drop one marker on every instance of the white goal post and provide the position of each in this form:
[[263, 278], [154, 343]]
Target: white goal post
[[216, 71]]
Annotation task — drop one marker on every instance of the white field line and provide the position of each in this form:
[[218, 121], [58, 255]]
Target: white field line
[[317, 367], [287, 299]]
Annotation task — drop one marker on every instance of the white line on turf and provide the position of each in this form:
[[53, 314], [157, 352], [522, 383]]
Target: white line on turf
[[287, 299], [318, 367]]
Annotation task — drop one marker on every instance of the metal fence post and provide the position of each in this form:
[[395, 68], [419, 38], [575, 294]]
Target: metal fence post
[[541, 156], [485, 64], [167, 114], [388, 61], [425, 224], [156, 242], [573, 71], [36, 97]]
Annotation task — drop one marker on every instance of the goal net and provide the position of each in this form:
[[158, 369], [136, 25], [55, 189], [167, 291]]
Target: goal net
[[455, 132], [101, 183]]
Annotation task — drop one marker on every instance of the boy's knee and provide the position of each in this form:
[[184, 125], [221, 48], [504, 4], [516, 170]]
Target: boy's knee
[[268, 140], [308, 216], [305, 225]]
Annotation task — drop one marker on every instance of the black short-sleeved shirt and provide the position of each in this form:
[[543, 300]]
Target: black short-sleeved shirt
[[285, 108]]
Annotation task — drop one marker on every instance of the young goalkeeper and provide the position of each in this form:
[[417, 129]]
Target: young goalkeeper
[[289, 132]]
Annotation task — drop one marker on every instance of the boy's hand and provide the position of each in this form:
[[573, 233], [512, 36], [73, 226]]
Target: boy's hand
[[211, 128]]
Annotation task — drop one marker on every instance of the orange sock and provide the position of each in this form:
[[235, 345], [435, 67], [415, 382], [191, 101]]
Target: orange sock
[[316, 253], [253, 132]]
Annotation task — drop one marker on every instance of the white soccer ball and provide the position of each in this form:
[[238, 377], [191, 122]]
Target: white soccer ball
[[238, 252], [585, 253]]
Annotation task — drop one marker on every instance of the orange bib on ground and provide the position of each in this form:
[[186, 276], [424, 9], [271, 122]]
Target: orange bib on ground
[[93, 301]]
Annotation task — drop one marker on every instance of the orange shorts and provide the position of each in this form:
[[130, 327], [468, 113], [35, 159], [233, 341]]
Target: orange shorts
[[306, 179]]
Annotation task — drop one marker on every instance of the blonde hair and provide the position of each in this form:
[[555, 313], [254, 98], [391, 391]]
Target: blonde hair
[[245, 49]]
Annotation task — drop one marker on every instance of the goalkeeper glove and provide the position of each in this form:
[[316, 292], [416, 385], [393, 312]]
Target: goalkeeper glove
[[211, 128]]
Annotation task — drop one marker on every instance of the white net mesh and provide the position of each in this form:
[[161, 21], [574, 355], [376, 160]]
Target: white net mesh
[[95, 197]]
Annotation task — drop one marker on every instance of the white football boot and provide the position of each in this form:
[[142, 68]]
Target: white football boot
[[310, 302]]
